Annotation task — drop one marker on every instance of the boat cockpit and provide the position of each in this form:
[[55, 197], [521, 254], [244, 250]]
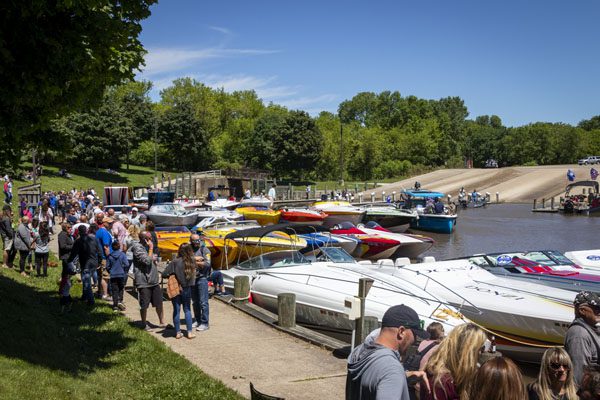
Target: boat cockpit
[[276, 259]]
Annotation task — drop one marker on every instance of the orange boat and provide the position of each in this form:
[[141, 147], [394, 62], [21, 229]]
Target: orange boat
[[303, 216]]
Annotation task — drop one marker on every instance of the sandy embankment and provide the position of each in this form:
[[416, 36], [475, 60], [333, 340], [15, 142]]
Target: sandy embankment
[[514, 184]]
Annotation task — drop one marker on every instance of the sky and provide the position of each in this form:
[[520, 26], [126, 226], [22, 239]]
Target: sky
[[525, 61]]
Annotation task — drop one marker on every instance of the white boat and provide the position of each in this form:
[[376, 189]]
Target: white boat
[[393, 219], [256, 201], [338, 212], [171, 214], [229, 215], [411, 246], [222, 203], [526, 318], [189, 204], [587, 259], [322, 287]]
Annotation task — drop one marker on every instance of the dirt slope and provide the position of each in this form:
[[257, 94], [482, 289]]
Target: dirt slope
[[514, 184]]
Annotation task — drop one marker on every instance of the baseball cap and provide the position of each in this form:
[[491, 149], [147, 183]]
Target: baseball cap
[[134, 209], [401, 315], [586, 297], [108, 220]]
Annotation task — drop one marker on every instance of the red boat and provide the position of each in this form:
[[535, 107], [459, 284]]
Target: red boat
[[302, 216], [371, 247]]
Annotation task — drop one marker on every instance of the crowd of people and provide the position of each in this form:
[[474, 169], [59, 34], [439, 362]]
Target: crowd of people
[[459, 367], [105, 248]]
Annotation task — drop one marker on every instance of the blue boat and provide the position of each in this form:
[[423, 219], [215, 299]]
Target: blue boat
[[433, 217]]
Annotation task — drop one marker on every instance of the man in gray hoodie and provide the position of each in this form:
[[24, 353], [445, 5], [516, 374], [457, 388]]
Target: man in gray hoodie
[[374, 368], [582, 340]]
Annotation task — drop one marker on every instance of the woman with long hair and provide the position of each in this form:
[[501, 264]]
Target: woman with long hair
[[555, 379], [451, 369], [184, 269], [498, 379]]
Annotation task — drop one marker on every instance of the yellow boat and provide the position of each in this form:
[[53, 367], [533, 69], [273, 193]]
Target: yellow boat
[[248, 247], [169, 240], [264, 216]]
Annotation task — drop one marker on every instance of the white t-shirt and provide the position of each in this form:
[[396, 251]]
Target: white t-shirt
[[272, 194]]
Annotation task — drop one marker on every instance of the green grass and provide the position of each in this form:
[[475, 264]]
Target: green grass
[[90, 353], [85, 178]]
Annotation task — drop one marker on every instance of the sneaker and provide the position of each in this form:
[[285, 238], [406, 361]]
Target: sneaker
[[115, 309], [202, 327], [194, 324], [122, 307], [219, 293]]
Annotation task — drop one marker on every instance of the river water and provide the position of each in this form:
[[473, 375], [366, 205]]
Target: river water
[[514, 227]]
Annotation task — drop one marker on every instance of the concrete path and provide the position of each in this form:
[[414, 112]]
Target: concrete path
[[238, 349], [514, 184]]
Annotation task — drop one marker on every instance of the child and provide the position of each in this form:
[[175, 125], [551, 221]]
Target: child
[[64, 290], [116, 265]]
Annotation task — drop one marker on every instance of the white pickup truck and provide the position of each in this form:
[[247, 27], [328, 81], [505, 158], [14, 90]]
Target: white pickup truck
[[589, 160]]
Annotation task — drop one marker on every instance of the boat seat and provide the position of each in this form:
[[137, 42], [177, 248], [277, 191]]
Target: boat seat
[[256, 395], [428, 259], [385, 262], [402, 261], [365, 262]]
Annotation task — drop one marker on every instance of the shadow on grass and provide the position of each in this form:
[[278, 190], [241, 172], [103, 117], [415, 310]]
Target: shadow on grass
[[33, 330]]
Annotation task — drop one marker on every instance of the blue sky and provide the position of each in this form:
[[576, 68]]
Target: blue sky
[[525, 61]]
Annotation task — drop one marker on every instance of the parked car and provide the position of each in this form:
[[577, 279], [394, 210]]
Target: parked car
[[491, 163], [589, 160]]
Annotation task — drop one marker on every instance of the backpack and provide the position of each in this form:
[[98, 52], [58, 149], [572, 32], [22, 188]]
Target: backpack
[[413, 362]]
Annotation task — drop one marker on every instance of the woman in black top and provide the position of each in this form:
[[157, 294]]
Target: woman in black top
[[555, 380]]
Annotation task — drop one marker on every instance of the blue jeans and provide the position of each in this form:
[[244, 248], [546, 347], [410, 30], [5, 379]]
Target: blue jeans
[[86, 280], [216, 277], [200, 296], [183, 299]]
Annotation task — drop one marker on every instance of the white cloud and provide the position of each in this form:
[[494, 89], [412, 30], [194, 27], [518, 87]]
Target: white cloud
[[303, 102], [220, 29], [163, 60]]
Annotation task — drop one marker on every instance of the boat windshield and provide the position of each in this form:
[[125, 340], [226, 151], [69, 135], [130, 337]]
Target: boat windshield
[[560, 257], [168, 208], [276, 259], [333, 254]]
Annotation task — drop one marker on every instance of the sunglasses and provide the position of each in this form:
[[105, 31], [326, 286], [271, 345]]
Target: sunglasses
[[556, 366]]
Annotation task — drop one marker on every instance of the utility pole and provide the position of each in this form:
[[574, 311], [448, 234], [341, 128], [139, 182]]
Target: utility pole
[[341, 151], [34, 172], [155, 156]]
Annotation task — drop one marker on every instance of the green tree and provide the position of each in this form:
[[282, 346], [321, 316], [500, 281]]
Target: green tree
[[59, 56]]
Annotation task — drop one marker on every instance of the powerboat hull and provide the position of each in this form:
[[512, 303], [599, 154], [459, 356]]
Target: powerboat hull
[[262, 216], [173, 220], [303, 217], [317, 240], [393, 219], [411, 246], [338, 212], [434, 223]]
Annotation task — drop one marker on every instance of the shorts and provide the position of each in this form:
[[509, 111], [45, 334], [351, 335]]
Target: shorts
[[8, 243], [150, 295], [102, 272]]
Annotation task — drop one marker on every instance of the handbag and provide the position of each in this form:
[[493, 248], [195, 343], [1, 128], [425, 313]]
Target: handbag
[[173, 287]]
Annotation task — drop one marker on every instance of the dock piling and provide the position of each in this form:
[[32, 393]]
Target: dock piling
[[286, 310], [360, 197], [383, 196], [543, 202], [369, 325], [372, 197], [241, 289], [394, 196], [497, 197], [552, 203], [534, 204]]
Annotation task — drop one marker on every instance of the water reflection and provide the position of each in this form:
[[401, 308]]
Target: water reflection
[[513, 227]]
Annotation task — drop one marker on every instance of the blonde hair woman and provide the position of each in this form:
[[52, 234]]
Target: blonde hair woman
[[451, 369], [498, 379], [555, 380]]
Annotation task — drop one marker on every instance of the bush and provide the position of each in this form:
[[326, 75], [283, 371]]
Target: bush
[[392, 169], [144, 155]]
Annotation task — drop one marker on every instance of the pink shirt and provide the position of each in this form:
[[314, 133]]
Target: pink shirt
[[119, 232]]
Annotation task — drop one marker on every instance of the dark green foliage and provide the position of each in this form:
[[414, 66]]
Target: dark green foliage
[[59, 56]]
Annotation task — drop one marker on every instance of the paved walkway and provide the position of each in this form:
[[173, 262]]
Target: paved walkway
[[238, 349]]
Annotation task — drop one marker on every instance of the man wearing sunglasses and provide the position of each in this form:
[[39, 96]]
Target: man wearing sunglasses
[[582, 341], [374, 368]]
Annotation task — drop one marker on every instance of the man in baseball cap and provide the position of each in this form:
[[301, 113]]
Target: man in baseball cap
[[374, 368], [582, 341]]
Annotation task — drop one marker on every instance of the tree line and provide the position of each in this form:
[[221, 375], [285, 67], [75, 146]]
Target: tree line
[[383, 135]]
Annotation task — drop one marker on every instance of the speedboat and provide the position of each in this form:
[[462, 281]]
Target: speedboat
[[205, 212], [394, 219], [370, 247], [171, 214], [170, 238], [264, 216], [302, 216], [189, 204], [256, 201], [411, 246], [526, 318], [423, 202], [338, 211], [322, 287], [541, 267], [589, 260], [315, 240], [222, 203]]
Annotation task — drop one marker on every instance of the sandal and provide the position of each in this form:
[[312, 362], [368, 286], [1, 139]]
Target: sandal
[[179, 335]]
